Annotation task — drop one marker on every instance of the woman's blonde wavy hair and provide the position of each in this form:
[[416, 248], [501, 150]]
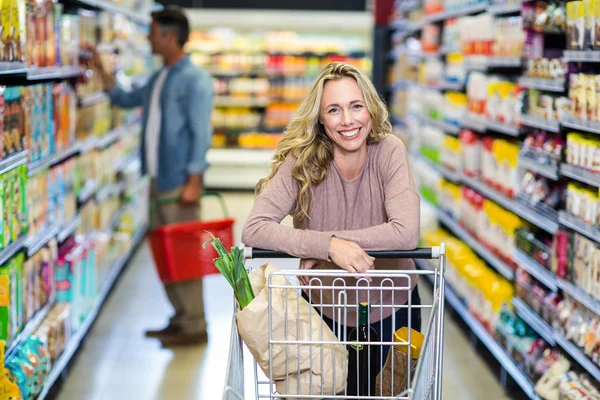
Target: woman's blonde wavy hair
[[305, 138]]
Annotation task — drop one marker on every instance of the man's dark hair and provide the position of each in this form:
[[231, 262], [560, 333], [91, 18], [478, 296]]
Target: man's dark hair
[[173, 19]]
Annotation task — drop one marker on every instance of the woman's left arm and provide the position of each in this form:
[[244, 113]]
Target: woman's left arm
[[402, 205]]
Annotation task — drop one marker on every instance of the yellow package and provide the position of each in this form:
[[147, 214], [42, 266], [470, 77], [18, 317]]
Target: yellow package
[[590, 96]]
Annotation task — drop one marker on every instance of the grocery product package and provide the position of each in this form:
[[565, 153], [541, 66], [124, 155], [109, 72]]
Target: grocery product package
[[298, 317]]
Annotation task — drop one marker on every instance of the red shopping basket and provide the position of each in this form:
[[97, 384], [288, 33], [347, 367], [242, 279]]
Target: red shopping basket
[[178, 249]]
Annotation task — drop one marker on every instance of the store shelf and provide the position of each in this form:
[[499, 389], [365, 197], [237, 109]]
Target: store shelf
[[92, 99], [27, 331], [509, 130], [477, 126], [534, 321], [504, 62], [580, 295], [69, 229], [514, 206], [88, 191], [475, 66], [581, 56], [226, 101], [549, 85], [113, 136], [137, 16], [12, 69], [50, 73], [451, 86], [12, 249], [440, 169], [109, 190], [75, 341], [580, 174], [52, 160], [531, 164], [41, 238], [578, 225], [536, 270], [462, 11], [13, 162], [533, 121], [503, 9], [579, 356], [581, 125], [444, 126], [472, 242], [89, 144], [488, 340]]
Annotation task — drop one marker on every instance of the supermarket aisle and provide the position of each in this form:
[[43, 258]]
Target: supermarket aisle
[[118, 363]]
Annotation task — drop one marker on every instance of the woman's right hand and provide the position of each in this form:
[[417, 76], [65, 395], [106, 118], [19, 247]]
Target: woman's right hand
[[349, 256]]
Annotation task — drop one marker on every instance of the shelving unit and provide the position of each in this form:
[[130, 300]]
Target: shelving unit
[[444, 126], [68, 229], [578, 294], [12, 249], [502, 9], [27, 331], [549, 220], [534, 121], [138, 16], [579, 356], [45, 235], [472, 242], [549, 85], [78, 337], [577, 225], [13, 162], [460, 12], [486, 338], [514, 206], [509, 130], [52, 73], [534, 321], [536, 270], [52, 160], [582, 56], [580, 174], [92, 99], [440, 169], [529, 163], [581, 125]]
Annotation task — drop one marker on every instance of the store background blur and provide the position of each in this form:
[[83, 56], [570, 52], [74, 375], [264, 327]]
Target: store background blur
[[496, 101]]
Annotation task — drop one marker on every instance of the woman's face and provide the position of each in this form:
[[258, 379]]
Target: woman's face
[[344, 115]]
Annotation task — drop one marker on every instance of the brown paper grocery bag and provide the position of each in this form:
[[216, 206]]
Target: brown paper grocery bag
[[327, 376]]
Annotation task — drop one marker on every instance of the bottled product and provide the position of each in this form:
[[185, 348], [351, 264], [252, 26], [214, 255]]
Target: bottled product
[[392, 380], [363, 359]]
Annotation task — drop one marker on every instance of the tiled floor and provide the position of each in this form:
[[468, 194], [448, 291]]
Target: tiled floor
[[118, 363]]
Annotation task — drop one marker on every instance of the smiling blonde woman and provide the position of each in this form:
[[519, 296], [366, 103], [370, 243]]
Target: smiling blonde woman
[[346, 181]]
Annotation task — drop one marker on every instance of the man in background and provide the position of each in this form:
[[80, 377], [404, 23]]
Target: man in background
[[176, 134]]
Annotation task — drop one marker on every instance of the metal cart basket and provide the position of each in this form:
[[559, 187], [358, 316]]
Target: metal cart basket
[[336, 296]]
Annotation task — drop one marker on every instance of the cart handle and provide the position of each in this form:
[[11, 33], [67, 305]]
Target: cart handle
[[424, 253], [176, 199]]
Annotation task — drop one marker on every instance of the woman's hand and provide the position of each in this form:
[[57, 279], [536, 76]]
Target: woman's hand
[[307, 264], [349, 256]]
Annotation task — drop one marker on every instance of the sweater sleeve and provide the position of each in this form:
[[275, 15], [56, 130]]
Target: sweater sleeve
[[402, 205], [278, 200]]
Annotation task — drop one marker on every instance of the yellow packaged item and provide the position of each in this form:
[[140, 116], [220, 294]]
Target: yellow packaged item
[[400, 364]]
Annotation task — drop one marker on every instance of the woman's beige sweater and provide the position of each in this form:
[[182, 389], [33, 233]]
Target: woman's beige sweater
[[378, 210]]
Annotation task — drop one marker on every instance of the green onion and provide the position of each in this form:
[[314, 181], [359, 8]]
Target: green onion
[[231, 265]]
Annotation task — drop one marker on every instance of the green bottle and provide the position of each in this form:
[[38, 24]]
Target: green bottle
[[361, 379]]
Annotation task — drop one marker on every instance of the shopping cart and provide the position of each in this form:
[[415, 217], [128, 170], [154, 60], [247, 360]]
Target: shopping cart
[[426, 383], [178, 249]]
